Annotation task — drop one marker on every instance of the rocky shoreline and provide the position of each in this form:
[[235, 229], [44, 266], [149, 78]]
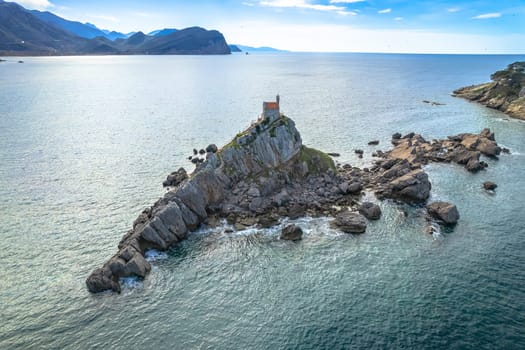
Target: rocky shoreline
[[505, 93], [266, 173]]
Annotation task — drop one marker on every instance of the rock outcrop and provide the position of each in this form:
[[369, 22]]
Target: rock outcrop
[[464, 149], [506, 92]]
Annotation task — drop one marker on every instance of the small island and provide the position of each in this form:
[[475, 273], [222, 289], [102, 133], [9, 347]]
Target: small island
[[505, 93], [266, 173]]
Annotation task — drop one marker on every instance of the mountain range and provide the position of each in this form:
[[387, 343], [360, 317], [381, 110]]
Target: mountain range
[[25, 32], [244, 48]]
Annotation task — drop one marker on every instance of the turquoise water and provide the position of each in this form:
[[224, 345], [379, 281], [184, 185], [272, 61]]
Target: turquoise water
[[85, 143]]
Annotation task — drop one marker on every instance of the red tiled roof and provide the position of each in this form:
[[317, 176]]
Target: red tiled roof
[[271, 105]]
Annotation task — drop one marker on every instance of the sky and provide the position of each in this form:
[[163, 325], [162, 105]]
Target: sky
[[405, 26]]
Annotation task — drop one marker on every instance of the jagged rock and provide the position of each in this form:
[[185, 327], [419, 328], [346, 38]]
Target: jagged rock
[[373, 143], [333, 154], [291, 233], [396, 136], [444, 211], [175, 178], [489, 185], [358, 151], [212, 148], [202, 151], [370, 210], [350, 222]]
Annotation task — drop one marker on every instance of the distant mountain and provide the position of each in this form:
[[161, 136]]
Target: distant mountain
[[116, 35], [24, 32], [234, 48], [84, 30], [257, 49], [77, 28], [162, 32], [189, 41], [136, 39]]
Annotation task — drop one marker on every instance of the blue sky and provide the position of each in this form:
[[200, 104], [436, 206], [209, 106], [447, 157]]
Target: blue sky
[[440, 26]]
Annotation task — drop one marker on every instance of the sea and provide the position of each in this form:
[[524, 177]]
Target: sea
[[85, 143]]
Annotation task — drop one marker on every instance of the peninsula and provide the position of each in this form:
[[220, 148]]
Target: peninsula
[[505, 93], [266, 173]]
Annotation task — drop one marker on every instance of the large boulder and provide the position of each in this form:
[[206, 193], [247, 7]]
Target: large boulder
[[350, 222], [291, 233], [412, 187], [444, 211], [370, 210], [488, 147]]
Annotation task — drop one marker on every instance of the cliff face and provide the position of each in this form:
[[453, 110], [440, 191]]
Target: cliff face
[[506, 92], [267, 146]]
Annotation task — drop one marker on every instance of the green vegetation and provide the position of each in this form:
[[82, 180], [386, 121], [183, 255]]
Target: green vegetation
[[317, 161]]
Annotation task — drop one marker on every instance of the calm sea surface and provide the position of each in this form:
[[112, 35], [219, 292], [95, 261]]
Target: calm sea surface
[[85, 143]]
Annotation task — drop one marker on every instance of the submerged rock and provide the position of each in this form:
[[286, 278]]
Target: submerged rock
[[291, 233], [444, 211], [489, 185]]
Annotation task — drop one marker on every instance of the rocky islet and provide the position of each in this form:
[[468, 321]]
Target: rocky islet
[[266, 173]]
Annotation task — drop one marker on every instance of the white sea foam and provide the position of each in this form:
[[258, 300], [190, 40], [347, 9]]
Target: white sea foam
[[130, 282], [154, 255]]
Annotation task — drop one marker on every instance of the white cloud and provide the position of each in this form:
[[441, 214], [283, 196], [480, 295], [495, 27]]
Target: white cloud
[[488, 15], [345, 1], [306, 4], [343, 38], [35, 4], [385, 11], [347, 13], [453, 9], [398, 19]]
